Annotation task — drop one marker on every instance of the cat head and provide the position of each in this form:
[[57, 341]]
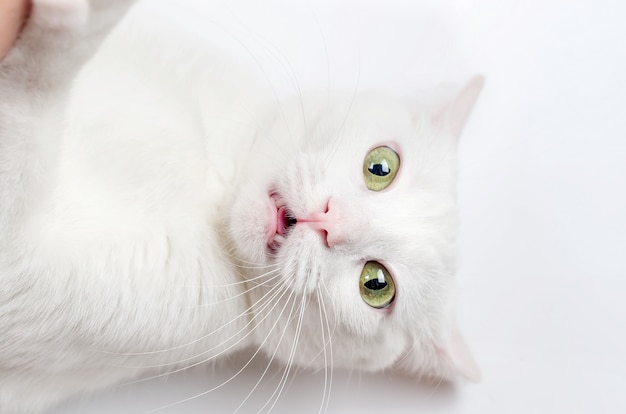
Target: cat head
[[345, 224]]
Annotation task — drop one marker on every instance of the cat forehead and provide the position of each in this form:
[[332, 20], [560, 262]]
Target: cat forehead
[[323, 115], [370, 114]]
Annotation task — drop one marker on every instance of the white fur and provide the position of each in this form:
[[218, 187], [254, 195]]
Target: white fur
[[131, 215]]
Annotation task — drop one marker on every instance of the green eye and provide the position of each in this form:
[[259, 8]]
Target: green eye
[[376, 285], [380, 168]]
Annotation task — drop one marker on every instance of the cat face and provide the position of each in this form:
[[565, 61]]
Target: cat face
[[345, 225]]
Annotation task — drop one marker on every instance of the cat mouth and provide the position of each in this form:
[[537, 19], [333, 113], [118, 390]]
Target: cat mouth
[[281, 221]]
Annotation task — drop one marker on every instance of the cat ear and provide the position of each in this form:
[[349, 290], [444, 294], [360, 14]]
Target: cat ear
[[457, 356], [447, 357], [454, 113]]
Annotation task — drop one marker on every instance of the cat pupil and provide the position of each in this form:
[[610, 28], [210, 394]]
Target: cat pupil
[[381, 169], [375, 284]]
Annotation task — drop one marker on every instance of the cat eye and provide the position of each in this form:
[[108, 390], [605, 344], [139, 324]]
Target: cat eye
[[380, 168], [376, 285]]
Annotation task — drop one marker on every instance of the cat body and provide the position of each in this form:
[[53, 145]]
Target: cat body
[[158, 211]]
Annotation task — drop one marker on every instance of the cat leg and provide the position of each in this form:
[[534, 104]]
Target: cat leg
[[36, 74], [59, 37]]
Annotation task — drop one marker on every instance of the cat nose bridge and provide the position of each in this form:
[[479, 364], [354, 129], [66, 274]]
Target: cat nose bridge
[[338, 223]]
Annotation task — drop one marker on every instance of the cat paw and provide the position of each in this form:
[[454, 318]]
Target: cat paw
[[50, 18], [60, 35], [13, 14], [57, 15]]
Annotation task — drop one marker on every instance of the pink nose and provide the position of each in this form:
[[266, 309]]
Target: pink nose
[[329, 223]]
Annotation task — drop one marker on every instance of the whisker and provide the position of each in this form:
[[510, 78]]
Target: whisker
[[260, 67], [242, 282], [294, 78], [273, 356], [256, 286], [236, 373], [269, 301], [271, 85], [239, 262], [238, 295], [442, 377], [247, 312], [279, 389], [326, 54], [328, 356], [338, 138]]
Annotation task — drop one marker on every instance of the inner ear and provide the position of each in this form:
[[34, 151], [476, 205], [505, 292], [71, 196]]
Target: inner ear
[[453, 113]]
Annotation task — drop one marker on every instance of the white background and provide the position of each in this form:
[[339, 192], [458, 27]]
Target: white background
[[542, 193]]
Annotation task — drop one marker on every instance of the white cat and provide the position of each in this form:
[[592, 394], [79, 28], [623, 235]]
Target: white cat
[[156, 212]]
